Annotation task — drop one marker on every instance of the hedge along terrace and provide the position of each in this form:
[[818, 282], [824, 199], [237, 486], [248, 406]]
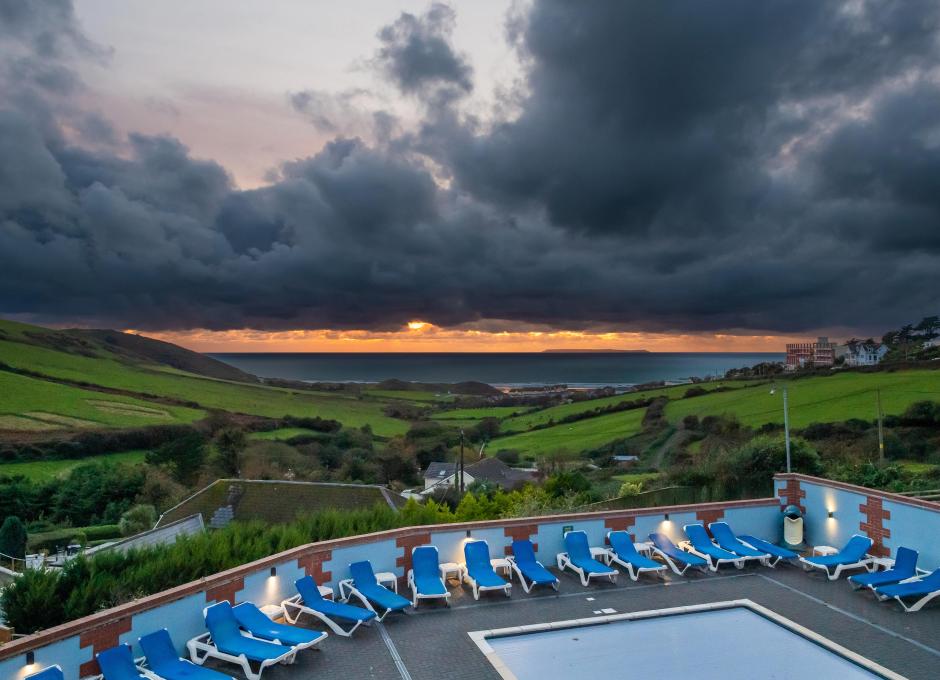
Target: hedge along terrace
[[270, 579]]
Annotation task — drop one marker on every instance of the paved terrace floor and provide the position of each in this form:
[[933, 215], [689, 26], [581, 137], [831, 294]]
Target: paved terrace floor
[[432, 643]]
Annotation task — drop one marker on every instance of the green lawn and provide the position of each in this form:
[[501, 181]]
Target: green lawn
[[283, 434], [636, 477], [32, 404], [529, 420], [44, 470], [479, 413], [820, 400], [230, 396], [582, 435]]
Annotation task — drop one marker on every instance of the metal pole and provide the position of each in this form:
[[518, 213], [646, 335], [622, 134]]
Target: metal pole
[[786, 426], [461, 461], [881, 430]]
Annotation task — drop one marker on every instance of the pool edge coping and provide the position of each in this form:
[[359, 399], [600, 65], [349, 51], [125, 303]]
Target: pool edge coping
[[479, 637]]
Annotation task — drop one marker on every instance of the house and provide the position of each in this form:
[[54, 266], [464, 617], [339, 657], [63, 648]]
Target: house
[[819, 354], [625, 461], [490, 470], [862, 353]]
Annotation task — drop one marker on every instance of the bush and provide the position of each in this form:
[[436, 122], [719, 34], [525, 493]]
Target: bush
[[751, 467], [508, 456], [13, 537], [138, 519]]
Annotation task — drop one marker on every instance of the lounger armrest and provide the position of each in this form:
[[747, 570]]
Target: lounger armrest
[[560, 559], [293, 600]]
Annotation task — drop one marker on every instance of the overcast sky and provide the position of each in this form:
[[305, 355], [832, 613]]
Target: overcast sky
[[298, 174]]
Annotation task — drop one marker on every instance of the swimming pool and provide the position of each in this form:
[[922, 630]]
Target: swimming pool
[[705, 642]]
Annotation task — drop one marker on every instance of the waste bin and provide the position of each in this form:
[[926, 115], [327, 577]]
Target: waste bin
[[792, 526]]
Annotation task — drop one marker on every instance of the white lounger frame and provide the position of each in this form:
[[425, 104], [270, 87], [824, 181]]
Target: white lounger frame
[[527, 587], [294, 604], [477, 588], [415, 595], [770, 561], [671, 563], [633, 571], [564, 562], [201, 648], [713, 562], [348, 590], [917, 606], [864, 563]]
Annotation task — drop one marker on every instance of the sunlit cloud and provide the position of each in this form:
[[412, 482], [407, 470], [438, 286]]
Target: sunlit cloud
[[485, 336]]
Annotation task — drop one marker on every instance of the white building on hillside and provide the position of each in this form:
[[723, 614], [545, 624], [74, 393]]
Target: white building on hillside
[[863, 353]]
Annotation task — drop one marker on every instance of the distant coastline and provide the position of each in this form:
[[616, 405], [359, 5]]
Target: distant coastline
[[595, 351]]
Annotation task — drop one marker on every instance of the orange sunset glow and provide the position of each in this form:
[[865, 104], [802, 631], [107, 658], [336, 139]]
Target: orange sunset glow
[[421, 336]]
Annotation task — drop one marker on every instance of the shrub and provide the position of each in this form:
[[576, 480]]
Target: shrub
[[137, 519], [13, 537]]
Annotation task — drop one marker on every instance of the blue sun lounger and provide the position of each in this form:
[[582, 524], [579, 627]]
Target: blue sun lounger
[[770, 548], [225, 642], [926, 589], [257, 623], [525, 566], [673, 556], [479, 572], [371, 593], [701, 544], [623, 552], [905, 567], [118, 663], [726, 540], [163, 660], [578, 559], [53, 672], [308, 600], [424, 577], [852, 556]]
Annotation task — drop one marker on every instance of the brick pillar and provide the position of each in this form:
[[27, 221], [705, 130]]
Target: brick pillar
[[620, 524], [793, 494], [706, 517], [225, 592], [99, 639], [520, 533], [312, 564], [874, 526], [407, 543]]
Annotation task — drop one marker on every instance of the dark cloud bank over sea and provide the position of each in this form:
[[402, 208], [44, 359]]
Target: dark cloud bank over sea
[[665, 166]]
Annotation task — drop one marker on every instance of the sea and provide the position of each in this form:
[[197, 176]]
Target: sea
[[620, 370]]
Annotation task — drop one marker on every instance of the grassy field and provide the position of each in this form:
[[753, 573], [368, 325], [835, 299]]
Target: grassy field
[[582, 435], [527, 421], [44, 470], [230, 396], [409, 395], [283, 434], [636, 477], [470, 414], [38, 405], [817, 400]]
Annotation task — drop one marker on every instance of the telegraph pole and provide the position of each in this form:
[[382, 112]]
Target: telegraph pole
[[881, 429], [461, 461], [786, 426]]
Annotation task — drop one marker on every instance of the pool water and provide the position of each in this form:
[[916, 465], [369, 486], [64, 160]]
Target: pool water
[[706, 645]]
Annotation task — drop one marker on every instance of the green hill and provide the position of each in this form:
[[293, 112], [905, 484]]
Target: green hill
[[823, 399], [90, 360], [582, 435]]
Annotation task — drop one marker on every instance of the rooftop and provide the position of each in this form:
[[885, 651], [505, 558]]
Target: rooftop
[[433, 642]]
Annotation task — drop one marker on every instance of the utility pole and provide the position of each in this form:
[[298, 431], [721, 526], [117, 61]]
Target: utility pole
[[881, 430], [460, 470], [786, 426]]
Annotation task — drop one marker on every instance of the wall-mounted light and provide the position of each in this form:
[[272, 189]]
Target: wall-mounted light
[[666, 517], [832, 514], [273, 571], [468, 533], [30, 658]]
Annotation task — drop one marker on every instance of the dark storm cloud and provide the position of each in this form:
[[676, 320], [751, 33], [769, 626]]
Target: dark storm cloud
[[773, 166], [417, 54]]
